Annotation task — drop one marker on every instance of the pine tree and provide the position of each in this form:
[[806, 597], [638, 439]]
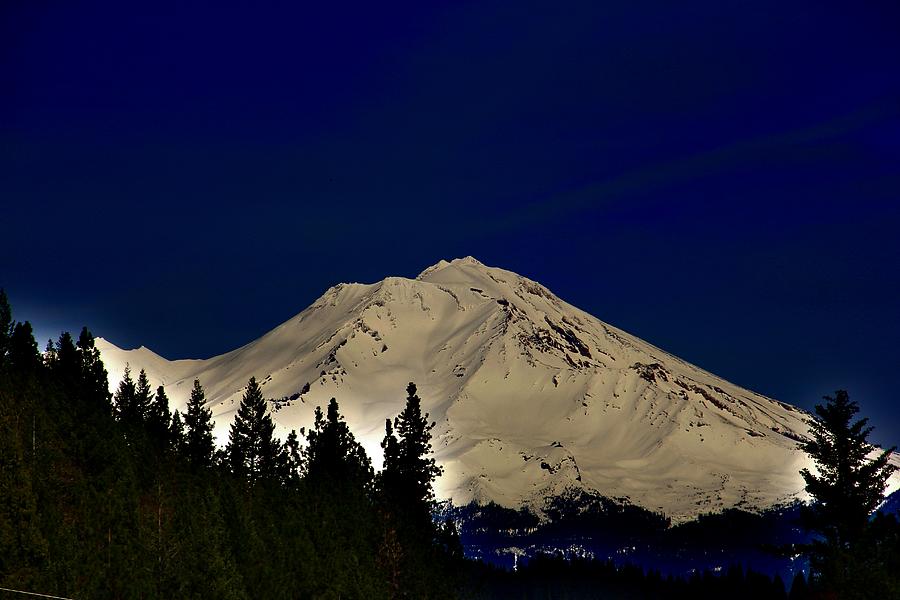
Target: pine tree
[[415, 469], [66, 364], [846, 490], [124, 399], [293, 459], [159, 419], [143, 397], [253, 452], [389, 480], [199, 444], [23, 350], [177, 437], [332, 452], [93, 379], [342, 522], [406, 494]]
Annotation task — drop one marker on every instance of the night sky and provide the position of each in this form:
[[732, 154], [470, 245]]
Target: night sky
[[719, 178]]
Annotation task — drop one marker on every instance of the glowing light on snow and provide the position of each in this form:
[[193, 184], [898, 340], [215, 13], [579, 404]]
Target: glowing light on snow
[[531, 396]]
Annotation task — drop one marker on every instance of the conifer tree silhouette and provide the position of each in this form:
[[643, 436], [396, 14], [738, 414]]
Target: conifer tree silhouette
[[199, 445], [143, 398], [846, 489], [124, 399], [159, 419], [332, 452], [253, 452], [411, 462]]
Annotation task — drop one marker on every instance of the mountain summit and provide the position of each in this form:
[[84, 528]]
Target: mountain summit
[[531, 395]]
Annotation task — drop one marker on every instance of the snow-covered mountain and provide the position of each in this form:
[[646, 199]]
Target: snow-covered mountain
[[530, 394]]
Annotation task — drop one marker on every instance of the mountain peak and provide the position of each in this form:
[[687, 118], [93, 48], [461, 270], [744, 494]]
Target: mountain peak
[[468, 260], [531, 395], [442, 264]]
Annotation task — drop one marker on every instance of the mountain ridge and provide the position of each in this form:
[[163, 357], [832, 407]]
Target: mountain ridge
[[531, 395]]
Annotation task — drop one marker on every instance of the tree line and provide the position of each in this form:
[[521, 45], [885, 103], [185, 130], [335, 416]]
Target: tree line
[[113, 496]]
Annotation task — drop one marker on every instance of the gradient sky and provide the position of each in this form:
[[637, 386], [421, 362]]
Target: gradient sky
[[720, 178]]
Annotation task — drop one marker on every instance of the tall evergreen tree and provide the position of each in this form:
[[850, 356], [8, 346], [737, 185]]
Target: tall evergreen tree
[[332, 452], [846, 489], [159, 419], [177, 436], [199, 444], [143, 398], [293, 459], [338, 480], [23, 350], [67, 363], [124, 399], [252, 451], [94, 381], [389, 480], [406, 493], [411, 463]]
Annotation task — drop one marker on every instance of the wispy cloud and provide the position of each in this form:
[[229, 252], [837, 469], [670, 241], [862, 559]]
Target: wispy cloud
[[779, 146]]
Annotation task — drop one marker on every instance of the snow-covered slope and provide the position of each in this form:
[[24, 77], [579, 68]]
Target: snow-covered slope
[[530, 394]]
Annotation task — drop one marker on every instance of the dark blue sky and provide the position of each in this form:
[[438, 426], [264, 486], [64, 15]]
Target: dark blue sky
[[719, 178]]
